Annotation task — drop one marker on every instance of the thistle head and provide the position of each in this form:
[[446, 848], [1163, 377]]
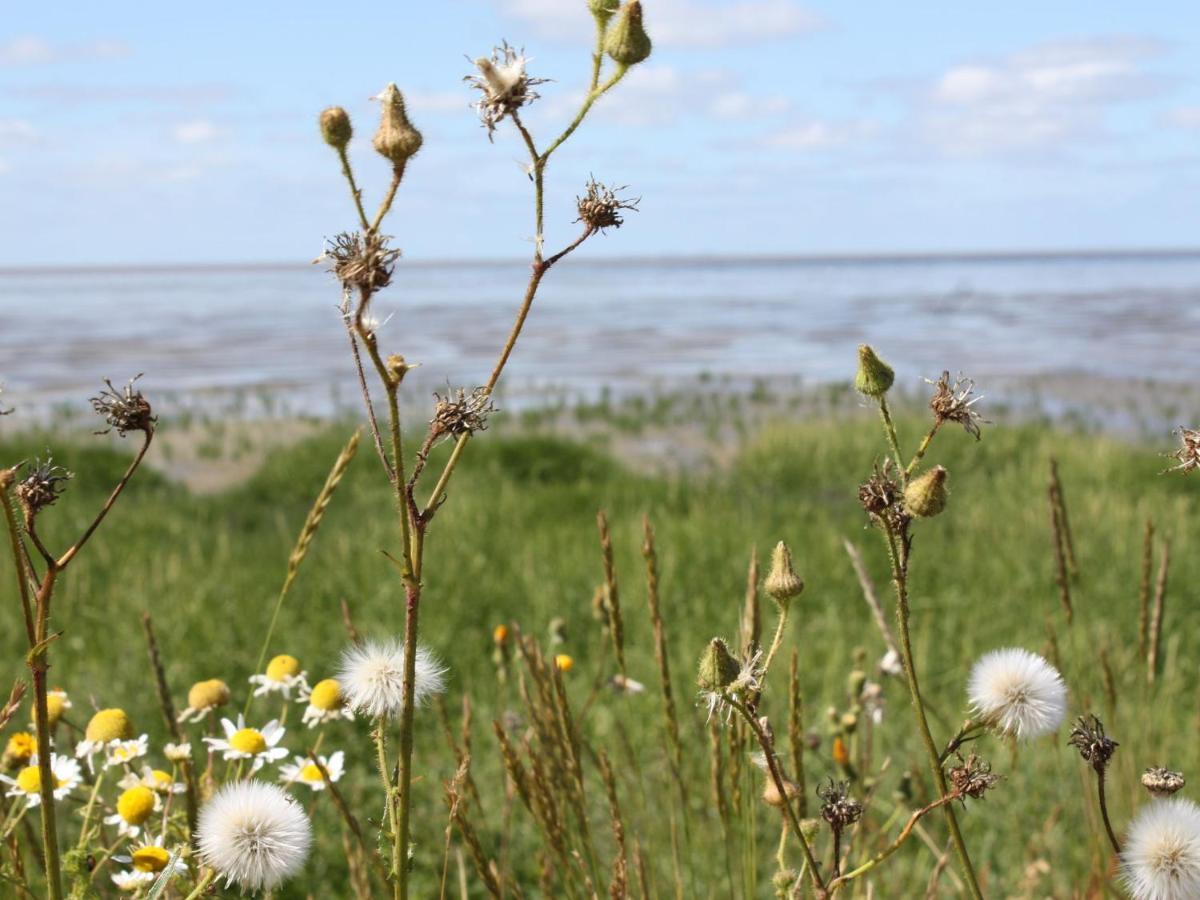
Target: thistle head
[[1188, 455], [718, 669], [42, 485], [600, 207], [1093, 744], [953, 402], [396, 138], [838, 808], [361, 262], [504, 85], [125, 410], [460, 413], [874, 377], [626, 41], [972, 777]]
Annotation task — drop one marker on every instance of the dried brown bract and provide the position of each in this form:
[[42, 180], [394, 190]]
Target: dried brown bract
[[42, 486], [460, 413], [952, 402], [838, 808], [1188, 455], [505, 85], [362, 262], [1093, 744], [1162, 782], [125, 410], [881, 491], [972, 777], [600, 207]]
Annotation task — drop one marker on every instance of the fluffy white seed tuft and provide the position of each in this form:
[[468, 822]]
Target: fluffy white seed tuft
[[1018, 692], [1161, 858], [372, 676], [254, 834]]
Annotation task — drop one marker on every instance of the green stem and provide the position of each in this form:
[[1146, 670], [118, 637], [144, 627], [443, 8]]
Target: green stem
[[38, 666], [592, 97], [889, 427], [389, 793], [922, 449], [400, 847], [388, 198], [87, 813], [354, 191], [895, 845], [776, 641], [202, 886]]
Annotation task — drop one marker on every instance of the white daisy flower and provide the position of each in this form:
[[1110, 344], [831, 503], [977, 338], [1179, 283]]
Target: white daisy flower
[[147, 860], [241, 742], [372, 676], [158, 780], [326, 702], [253, 833], [132, 881], [283, 675], [134, 807], [306, 772], [118, 753], [204, 697], [28, 783], [178, 753], [1161, 858], [1018, 692], [105, 728]]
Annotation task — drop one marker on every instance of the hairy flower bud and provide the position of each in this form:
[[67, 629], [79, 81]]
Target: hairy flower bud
[[603, 10], [926, 496], [718, 669], [874, 377], [627, 42], [335, 127], [782, 582], [396, 138]]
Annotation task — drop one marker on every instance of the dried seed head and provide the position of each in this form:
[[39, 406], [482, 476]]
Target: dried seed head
[[396, 138], [972, 777], [782, 582], [1188, 455], [125, 410], [364, 263], [335, 127], [603, 10], [1093, 744], [600, 207], [504, 84], [953, 403], [838, 808], [874, 377], [397, 367], [880, 492], [925, 496], [41, 486], [461, 413], [1162, 782], [718, 669], [626, 41]]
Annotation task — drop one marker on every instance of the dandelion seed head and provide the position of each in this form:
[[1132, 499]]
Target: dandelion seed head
[[254, 834], [372, 677], [1018, 692], [1161, 857]]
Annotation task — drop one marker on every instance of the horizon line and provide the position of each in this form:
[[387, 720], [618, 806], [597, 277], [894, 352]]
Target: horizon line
[[715, 259]]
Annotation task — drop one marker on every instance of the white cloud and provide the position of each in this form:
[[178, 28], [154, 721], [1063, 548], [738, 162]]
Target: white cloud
[[1185, 117], [678, 23], [17, 131], [820, 134], [28, 50], [199, 131], [1037, 99]]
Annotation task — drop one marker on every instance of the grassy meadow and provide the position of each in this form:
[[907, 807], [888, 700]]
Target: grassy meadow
[[518, 544]]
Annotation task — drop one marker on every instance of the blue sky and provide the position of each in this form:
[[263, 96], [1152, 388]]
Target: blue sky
[[134, 132]]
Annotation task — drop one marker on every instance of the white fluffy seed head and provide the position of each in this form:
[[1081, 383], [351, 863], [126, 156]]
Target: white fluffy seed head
[[1018, 692], [254, 834], [1161, 858], [372, 676]]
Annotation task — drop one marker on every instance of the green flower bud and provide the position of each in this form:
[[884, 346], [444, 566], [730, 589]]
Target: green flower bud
[[396, 138], [874, 376], [603, 10], [718, 669], [926, 496], [782, 582], [335, 127], [627, 42], [855, 682]]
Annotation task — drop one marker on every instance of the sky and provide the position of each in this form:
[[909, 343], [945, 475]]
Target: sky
[[134, 133]]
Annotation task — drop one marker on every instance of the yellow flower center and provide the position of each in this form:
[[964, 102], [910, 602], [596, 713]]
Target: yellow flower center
[[136, 805], [208, 694], [109, 725], [21, 746], [327, 695], [283, 667], [30, 780], [150, 859], [248, 740], [56, 702], [162, 780], [564, 662], [311, 773]]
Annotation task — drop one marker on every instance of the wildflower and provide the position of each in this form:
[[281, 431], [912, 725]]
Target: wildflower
[[19, 750], [723, 680], [282, 675], [325, 703], [372, 677], [134, 807], [254, 834], [148, 860], [891, 664], [462, 414], [105, 728], [42, 486], [782, 582], [1093, 744], [363, 263], [874, 377], [972, 777], [57, 703], [1161, 857], [1162, 782], [396, 138], [125, 410], [1188, 455], [627, 42], [28, 783], [157, 780], [203, 697], [600, 207], [335, 127], [925, 495], [953, 402], [241, 742], [504, 84], [305, 771], [122, 752], [1018, 692], [564, 662], [838, 808], [500, 634], [178, 753]]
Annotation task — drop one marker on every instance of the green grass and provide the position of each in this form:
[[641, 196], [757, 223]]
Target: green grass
[[517, 542]]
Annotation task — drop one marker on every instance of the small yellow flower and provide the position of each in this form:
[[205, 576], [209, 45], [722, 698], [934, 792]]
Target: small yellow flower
[[109, 725], [282, 675], [500, 634], [150, 859], [136, 805], [21, 746], [326, 702], [57, 702], [28, 783], [30, 780], [563, 662], [203, 698], [326, 695], [243, 742]]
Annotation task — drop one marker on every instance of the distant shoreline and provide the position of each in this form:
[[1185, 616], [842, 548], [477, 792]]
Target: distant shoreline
[[1117, 254]]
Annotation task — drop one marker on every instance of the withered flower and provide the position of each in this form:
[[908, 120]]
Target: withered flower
[[838, 808], [600, 207], [361, 262], [1189, 454], [1093, 744], [1162, 782], [42, 486], [125, 410], [952, 402], [972, 777], [880, 492], [461, 413], [504, 84]]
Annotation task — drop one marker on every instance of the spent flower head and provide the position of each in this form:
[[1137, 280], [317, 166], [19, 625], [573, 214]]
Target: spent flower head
[[1161, 856], [125, 409], [838, 808], [254, 834], [952, 402], [1018, 693], [1093, 744], [504, 84], [460, 413], [725, 681], [363, 262], [972, 777], [1188, 455], [1162, 782], [600, 207], [42, 485]]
